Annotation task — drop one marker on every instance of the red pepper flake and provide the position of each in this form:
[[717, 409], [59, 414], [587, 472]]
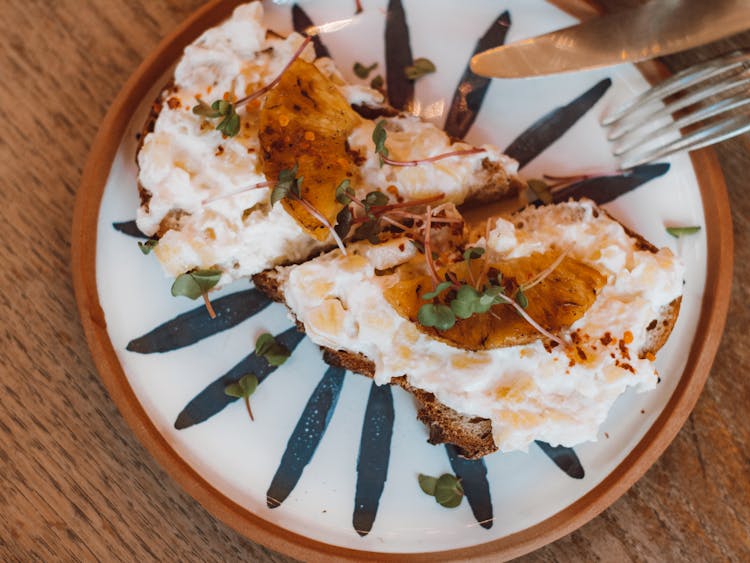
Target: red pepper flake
[[393, 190], [624, 350], [174, 103], [581, 353], [606, 339], [219, 150]]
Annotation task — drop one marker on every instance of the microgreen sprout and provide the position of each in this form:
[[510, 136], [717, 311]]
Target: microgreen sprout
[[230, 121], [363, 71], [227, 110], [257, 186], [195, 284], [677, 232], [485, 263], [288, 186], [420, 68], [436, 315], [521, 298], [446, 489], [242, 389], [547, 271], [369, 230], [271, 349], [427, 249], [344, 192], [469, 254], [343, 222], [375, 208], [441, 287], [539, 328], [379, 136], [374, 199], [148, 246]]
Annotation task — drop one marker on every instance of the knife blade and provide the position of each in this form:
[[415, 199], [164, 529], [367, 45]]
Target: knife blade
[[655, 29]]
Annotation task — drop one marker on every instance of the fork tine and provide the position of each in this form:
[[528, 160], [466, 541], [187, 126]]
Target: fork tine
[[679, 81], [705, 91], [722, 106], [708, 135]]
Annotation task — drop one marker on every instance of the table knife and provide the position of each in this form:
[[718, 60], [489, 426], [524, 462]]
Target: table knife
[[657, 28]]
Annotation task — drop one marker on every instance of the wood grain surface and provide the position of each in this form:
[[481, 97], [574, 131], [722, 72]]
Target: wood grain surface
[[74, 482]]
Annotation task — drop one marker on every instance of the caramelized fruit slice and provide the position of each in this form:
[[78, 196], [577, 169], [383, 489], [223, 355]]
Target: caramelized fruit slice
[[305, 122], [555, 303]]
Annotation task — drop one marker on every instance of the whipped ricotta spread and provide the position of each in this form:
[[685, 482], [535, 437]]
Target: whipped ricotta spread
[[190, 171], [528, 392]]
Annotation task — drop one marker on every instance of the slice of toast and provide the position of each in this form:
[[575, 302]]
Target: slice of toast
[[472, 435], [190, 174]]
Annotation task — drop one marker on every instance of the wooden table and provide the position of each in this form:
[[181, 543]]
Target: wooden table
[[75, 483]]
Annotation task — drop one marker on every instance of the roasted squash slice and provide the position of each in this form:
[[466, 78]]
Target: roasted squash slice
[[305, 121], [555, 303]]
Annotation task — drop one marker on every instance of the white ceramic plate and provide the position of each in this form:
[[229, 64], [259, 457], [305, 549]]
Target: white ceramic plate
[[236, 460]]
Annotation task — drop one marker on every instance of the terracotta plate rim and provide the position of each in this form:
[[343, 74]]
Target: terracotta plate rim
[[703, 350]]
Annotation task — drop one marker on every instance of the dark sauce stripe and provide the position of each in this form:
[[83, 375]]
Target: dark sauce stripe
[[472, 88], [129, 228], [607, 188], [397, 57], [301, 21], [374, 454], [307, 434], [213, 399], [548, 129], [473, 475], [195, 325], [565, 458]]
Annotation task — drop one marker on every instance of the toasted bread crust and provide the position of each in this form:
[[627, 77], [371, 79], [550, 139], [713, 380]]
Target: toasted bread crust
[[471, 435], [269, 283]]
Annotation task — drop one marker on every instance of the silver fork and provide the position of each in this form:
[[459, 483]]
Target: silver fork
[[714, 97]]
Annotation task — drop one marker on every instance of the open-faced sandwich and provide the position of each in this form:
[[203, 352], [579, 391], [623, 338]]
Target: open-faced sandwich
[[526, 329], [245, 108]]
